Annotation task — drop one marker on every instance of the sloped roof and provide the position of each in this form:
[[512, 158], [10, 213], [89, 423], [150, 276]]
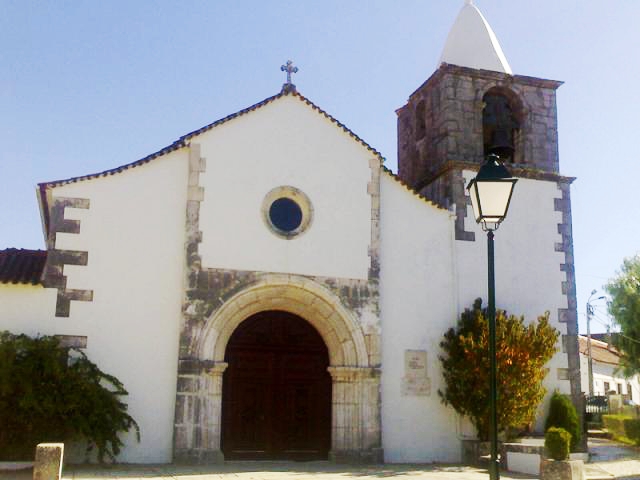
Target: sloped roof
[[184, 140], [410, 189], [600, 351], [472, 43], [20, 266]]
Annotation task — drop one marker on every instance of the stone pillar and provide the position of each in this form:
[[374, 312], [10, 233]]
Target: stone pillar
[[48, 463], [355, 427], [198, 416], [209, 427]]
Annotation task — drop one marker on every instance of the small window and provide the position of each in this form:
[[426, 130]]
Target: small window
[[287, 211], [285, 214], [606, 388]]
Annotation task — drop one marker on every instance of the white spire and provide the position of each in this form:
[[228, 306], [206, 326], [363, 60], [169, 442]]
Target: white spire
[[472, 43]]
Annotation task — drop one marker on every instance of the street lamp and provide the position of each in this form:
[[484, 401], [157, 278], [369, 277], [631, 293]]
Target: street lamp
[[490, 193]]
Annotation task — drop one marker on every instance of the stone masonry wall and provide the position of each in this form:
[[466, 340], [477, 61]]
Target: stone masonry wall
[[570, 315], [452, 105], [440, 129], [53, 275]]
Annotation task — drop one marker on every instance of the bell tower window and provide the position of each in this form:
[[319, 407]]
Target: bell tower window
[[500, 126]]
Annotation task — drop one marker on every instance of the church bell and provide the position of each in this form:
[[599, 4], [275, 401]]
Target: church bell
[[502, 143]]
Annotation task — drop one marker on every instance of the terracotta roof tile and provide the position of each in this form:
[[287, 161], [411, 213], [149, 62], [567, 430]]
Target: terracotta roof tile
[[600, 351], [410, 189], [22, 266]]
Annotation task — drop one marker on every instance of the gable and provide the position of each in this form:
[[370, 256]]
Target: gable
[[286, 144]]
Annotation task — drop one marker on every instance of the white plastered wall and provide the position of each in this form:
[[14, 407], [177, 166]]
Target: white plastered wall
[[417, 302], [134, 232], [606, 372], [285, 143], [528, 275], [27, 309]]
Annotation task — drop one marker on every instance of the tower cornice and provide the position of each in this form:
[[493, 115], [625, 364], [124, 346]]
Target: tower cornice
[[499, 77]]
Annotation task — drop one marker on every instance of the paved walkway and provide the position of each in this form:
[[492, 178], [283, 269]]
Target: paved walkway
[[273, 471], [611, 460]]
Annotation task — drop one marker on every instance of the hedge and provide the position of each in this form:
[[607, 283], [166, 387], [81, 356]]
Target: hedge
[[623, 427]]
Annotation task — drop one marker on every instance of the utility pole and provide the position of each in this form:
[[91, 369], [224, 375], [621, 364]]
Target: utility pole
[[590, 359]]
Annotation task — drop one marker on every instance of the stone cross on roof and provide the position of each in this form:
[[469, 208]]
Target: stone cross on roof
[[289, 68]]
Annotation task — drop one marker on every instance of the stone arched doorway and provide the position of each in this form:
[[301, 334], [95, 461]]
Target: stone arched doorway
[[355, 382], [276, 394]]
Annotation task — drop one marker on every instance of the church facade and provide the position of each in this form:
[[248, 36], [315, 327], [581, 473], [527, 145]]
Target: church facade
[[265, 288]]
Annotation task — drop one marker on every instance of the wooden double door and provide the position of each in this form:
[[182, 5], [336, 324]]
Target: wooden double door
[[276, 400]]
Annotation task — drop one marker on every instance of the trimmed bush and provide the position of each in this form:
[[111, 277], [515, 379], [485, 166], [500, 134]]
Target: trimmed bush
[[563, 414], [624, 428], [556, 443]]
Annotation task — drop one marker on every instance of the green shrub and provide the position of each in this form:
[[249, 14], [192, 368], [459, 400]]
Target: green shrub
[[522, 350], [556, 443], [563, 414], [54, 394], [623, 428], [614, 424]]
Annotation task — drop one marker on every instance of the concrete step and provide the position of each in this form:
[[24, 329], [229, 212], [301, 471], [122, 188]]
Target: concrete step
[[593, 472]]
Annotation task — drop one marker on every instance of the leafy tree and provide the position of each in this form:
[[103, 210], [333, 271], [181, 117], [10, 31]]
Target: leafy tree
[[562, 414], [521, 354], [624, 307], [54, 394]]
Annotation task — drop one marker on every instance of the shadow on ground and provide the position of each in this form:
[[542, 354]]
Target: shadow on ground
[[268, 469]]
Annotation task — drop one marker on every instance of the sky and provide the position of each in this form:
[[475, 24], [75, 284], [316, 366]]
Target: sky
[[87, 86]]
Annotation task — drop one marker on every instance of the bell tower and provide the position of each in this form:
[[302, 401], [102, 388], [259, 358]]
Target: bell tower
[[473, 105]]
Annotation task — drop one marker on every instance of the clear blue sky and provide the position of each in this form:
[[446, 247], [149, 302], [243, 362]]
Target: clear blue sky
[[86, 86]]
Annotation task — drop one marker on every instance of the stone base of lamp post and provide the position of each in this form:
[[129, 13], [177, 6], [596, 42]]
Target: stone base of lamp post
[[478, 453], [561, 469]]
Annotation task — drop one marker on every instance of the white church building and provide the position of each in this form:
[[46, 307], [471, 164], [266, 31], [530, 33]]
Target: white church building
[[265, 288]]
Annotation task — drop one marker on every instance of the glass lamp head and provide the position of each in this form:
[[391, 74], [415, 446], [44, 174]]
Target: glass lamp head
[[490, 193]]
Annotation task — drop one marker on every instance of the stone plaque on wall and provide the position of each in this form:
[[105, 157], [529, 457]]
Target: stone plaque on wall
[[416, 387], [415, 363], [415, 381]]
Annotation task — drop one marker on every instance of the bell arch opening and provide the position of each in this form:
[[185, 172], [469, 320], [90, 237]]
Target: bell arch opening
[[502, 119]]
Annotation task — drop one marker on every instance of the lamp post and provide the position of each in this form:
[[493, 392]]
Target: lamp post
[[490, 193]]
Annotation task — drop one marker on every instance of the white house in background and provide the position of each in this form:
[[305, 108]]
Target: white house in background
[[606, 378], [265, 288]]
